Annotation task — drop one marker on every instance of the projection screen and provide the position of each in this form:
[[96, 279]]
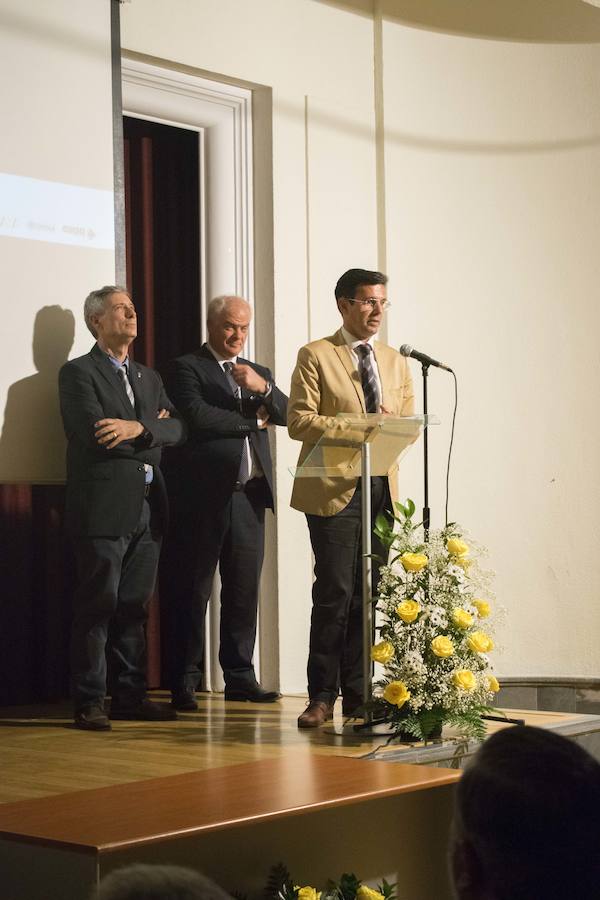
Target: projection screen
[[56, 213]]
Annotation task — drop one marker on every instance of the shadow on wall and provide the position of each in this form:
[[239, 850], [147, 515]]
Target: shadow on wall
[[535, 21], [32, 444]]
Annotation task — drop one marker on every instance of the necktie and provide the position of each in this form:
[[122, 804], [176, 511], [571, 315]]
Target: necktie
[[246, 461], [122, 370], [367, 377], [237, 392]]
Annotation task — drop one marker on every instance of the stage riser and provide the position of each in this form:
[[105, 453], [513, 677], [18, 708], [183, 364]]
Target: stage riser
[[402, 838]]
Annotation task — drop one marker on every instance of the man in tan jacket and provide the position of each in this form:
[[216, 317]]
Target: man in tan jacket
[[347, 372]]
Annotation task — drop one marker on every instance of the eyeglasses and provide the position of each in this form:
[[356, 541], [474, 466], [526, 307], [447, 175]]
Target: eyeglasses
[[372, 302]]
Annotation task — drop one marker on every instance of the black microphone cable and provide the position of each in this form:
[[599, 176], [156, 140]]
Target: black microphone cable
[[451, 442]]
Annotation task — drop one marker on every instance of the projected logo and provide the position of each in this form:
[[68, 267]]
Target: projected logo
[[56, 213]]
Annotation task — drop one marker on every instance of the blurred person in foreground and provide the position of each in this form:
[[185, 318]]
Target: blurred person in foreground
[[527, 820], [148, 882]]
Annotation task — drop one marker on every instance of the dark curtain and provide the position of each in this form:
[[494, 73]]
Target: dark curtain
[[163, 274], [36, 570]]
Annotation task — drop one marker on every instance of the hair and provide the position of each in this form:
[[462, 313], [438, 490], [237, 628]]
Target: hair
[[528, 814], [218, 304], [95, 302], [355, 278], [152, 882]]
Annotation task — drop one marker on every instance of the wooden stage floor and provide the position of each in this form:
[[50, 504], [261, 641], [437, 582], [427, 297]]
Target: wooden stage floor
[[230, 789], [41, 754]]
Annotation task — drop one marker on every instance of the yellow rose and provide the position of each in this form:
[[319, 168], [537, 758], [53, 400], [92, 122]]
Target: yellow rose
[[465, 679], [395, 693], [308, 893], [492, 684], [367, 893], [408, 610], [479, 642], [442, 646], [382, 652], [482, 607], [456, 547], [463, 562], [461, 618], [414, 562]]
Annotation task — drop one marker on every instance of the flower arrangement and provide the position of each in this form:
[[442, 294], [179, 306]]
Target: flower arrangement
[[436, 631], [280, 886]]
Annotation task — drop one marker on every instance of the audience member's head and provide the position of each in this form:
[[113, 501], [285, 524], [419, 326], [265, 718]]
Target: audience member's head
[[527, 820], [142, 882]]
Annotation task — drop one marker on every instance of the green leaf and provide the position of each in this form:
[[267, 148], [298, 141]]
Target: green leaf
[[279, 884], [348, 886], [388, 890], [411, 507]]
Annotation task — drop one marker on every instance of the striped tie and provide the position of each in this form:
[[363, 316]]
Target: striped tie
[[367, 377], [122, 370], [246, 460]]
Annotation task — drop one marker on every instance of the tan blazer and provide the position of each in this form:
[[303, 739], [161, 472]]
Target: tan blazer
[[326, 382]]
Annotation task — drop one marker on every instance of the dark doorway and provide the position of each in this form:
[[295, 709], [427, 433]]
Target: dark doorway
[[162, 209], [162, 215]]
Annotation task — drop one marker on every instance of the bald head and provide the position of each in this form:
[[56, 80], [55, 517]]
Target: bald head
[[228, 319]]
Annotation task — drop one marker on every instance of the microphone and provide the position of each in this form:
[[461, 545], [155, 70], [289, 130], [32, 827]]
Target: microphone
[[407, 350]]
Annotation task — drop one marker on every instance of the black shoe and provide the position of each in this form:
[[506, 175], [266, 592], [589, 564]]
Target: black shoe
[[92, 719], [184, 701], [146, 711], [252, 692]]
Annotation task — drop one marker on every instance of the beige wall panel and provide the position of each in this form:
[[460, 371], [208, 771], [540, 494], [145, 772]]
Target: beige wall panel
[[492, 161], [342, 212]]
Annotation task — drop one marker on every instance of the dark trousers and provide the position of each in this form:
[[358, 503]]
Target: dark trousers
[[336, 639], [229, 534], [116, 577]]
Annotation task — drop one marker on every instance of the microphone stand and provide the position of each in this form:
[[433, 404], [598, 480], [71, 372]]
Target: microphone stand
[[426, 510]]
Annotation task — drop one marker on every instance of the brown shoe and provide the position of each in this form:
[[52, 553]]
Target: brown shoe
[[316, 713]]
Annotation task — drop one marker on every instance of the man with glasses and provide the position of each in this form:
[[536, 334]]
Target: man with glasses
[[347, 372]]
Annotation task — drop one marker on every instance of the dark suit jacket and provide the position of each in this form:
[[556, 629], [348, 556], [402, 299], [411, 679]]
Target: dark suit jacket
[[105, 488], [217, 425]]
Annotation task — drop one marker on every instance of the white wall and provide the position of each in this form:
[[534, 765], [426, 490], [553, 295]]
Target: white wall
[[492, 198]]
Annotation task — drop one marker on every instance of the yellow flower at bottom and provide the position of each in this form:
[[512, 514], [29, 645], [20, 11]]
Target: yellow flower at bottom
[[395, 693], [465, 679], [382, 652], [408, 610], [492, 684], [308, 893], [479, 642], [461, 618], [367, 893], [482, 607], [414, 562], [442, 646]]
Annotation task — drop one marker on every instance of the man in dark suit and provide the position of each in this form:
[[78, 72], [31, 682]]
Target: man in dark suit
[[227, 402], [117, 417]]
